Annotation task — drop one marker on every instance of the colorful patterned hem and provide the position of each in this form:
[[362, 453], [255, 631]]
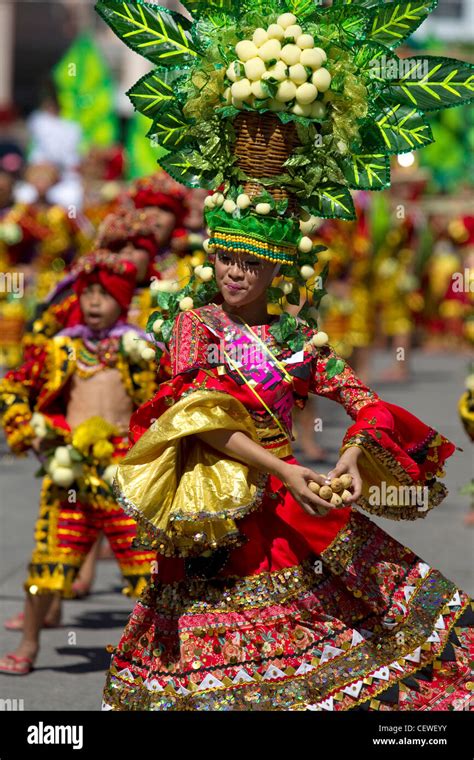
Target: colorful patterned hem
[[368, 626]]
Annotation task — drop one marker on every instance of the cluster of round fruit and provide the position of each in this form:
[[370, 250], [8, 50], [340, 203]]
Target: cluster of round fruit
[[336, 493], [282, 65]]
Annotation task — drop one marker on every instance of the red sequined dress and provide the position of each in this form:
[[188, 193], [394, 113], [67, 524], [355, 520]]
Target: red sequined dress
[[279, 610]]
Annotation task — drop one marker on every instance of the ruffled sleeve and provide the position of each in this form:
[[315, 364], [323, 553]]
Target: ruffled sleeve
[[184, 495], [401, 458]]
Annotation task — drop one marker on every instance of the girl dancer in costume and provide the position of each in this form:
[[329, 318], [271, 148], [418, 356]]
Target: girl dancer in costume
[[267, 595], [71, 403]]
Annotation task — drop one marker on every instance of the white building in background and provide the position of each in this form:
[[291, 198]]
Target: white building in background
[[452, 21]]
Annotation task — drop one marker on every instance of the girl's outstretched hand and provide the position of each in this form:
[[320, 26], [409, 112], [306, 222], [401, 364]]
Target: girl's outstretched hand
[[348, 464], [297, 480]]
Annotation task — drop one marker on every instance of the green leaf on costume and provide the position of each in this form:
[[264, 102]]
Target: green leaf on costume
[[284, 328], [300, 8], [294, 297], [433, 83], [163, 300], [154, 89], [170, 128], [331, 202], [274, 294], [393, 22], [367, 171], [334, 367], [297, 342], [167, 329], [397, 129], [162, 36], [182, 167]]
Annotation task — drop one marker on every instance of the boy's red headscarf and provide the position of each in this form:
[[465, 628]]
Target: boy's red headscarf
[[117, 276]]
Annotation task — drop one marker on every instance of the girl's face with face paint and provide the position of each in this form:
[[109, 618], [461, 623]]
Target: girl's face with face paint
[[243, 279]]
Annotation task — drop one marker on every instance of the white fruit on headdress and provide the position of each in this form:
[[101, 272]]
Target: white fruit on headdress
[[286, 20], [306, 271], [320, 339], [109, 473], [62, 456], [229, 206], [227, 96], [63, 476], [148, 354], [186, 303], [269, 50], [241, 89], [318, 110], [209, 202], [307, 226], [130, 337], [322, 53], [246, 50], [297, 73], [291, 54], [294, 30], [259, 36], [322, 79], [258, 91], [255, 68], [286, 287], [305, 245], [206, 245], [218, 199], [263, 208], [233, 71], [243, 200], [157, 325], [278, 72], [301, 110], [206, 274], [311, 58], [275, 32], [305, 41], [286, 91], [38, 423], [306, 93]]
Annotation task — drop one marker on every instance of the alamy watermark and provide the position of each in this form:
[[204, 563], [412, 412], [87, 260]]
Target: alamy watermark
[[12, 282], [399, 496], [399, 68]]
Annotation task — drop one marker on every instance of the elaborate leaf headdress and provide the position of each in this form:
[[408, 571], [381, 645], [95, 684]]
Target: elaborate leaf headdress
[[285, 105]]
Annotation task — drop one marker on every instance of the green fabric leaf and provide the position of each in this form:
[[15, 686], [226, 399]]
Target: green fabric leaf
[[393, 22], [397, 129], [182, 167], [432, 83], [274, 295], [334, 367], [300, 8], [297, 342], [170, 129], [367, 171], [293, 297], [153, 90], [158, 34], [331, 202]]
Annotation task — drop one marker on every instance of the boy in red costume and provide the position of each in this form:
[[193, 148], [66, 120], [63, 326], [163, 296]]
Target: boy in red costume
[[71, 403]]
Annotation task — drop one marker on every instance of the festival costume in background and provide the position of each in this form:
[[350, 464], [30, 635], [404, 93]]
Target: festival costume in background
[[255, 604], [59, 370]]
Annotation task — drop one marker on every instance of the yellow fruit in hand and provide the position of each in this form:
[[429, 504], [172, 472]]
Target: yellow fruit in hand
[[346, 495], [336, 500], [325, 493], [336, 485], [346, 480], [314, 487]]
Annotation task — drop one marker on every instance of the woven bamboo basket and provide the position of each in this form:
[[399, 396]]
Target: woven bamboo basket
[[263, 144]]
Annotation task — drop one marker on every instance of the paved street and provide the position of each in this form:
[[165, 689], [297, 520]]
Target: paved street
[[71, 675]]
